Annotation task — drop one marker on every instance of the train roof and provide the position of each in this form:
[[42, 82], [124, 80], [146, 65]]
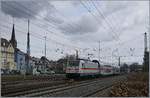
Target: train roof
[[107, 65], [80, 59]]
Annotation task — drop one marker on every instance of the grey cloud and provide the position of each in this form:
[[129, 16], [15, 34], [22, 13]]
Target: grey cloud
[[20, 9], [111, 7], [54, 18], [76, 3], [85, 24], [31, 9], [93, 38]]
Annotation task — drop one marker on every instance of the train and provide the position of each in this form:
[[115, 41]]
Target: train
[[85, 67]]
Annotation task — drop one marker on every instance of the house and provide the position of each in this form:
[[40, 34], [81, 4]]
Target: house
[[8, 49], [10, 57], [29, 64], [36, 65], [20, 61], [7, 55], [124, 68], [41, 65], [45, 63], [4, 45]]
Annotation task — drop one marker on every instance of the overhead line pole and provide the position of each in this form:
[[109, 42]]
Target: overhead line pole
[[45, 47], [99, 51], [45, 53], [145, 42], [119, 61]]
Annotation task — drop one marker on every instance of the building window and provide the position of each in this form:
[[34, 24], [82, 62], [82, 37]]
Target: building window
[[4, 44]]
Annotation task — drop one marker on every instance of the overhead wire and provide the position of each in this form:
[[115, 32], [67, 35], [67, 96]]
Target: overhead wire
[[36, 48], [53, 33], [96, 18], [111, 56], [39, 37], [105, 19], [71, 24], [33, 22]]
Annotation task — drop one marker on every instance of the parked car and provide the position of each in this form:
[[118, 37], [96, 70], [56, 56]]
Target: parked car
[[14, 72], [52, 72], [35, 72], [49, 72], [5, 72], [2, 72]]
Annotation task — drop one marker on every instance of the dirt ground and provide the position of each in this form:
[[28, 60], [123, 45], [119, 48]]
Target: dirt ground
[[135, 86]]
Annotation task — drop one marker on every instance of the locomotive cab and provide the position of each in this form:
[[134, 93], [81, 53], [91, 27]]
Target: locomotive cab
[[82, 67], [72, 68]]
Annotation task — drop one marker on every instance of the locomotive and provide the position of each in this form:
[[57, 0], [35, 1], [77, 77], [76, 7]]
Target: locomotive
[[85, 67]]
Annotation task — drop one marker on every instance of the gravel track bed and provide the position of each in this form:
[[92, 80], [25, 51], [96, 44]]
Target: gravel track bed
[[81, 89], [27, 88], [65, 88], [10, 86], [7, 81]]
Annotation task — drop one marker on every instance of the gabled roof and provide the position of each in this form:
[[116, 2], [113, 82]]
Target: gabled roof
[[36, 59], [18, 50], [43, 58], [4, 42]]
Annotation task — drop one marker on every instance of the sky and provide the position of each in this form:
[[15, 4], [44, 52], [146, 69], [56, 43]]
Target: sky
[[72, 25]]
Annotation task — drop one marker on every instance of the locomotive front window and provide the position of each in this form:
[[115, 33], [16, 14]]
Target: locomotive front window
[[73, 63]]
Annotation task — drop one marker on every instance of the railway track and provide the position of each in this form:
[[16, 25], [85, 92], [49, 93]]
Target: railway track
[[7, 81], [10, 86], [60, 88], [22, 89], [97, 91], [30, 85], [73, 89], [83, 90]]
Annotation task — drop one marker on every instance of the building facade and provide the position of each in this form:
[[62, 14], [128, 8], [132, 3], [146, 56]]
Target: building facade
[[7, 55], [20, 61], [36, 65], [41, 65], [8, 52]]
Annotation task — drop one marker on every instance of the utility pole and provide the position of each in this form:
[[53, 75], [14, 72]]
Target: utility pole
[[76, 54], [45, 47], [99, 51], [0, 50], [28, 40], [119, 61], [28, 51], [45, 53], [145, 42], [146, 54]]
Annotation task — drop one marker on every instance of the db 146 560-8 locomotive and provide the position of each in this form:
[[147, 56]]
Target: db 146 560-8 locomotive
[[83, 67]]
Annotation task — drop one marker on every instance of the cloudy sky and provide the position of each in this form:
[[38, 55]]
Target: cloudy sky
[[78, 25]]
